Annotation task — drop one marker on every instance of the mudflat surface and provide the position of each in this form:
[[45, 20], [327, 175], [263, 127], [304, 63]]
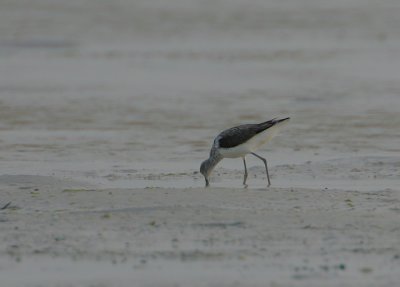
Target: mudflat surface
[[215, 237], [107, 110]]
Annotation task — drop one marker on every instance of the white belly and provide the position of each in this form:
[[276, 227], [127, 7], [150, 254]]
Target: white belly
[[253, 144], [237, 151]]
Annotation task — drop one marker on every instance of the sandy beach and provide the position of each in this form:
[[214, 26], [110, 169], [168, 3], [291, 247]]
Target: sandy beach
[[108, 109]]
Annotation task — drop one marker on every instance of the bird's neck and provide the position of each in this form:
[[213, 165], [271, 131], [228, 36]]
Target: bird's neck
[[213, 160]]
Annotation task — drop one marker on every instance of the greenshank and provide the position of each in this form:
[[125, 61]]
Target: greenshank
[[240, 141]]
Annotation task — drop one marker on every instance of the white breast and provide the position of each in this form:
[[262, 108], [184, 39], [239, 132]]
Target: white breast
[[237, 151]]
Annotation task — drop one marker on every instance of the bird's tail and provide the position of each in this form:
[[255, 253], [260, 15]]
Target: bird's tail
[[268, 124], [280, 120]]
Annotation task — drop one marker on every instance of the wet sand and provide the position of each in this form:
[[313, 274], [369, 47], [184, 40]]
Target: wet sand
[[217, 237], [106, 112]]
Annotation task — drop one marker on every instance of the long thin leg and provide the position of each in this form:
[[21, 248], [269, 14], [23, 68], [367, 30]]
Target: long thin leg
[[266, 166], [245, 171]]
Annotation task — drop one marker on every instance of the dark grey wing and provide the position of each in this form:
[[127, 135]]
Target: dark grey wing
[[237, 135]]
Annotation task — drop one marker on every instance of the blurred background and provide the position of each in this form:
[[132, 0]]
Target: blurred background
[[122, 90]]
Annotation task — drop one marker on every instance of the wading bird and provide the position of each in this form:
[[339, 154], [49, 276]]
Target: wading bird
[[240, 141]]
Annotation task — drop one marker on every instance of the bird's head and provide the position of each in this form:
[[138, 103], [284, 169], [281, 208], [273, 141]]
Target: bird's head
[[209, 164], [205, 170]]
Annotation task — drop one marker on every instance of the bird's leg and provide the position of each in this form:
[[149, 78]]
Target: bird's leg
[[245, 172], [266, 166]]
